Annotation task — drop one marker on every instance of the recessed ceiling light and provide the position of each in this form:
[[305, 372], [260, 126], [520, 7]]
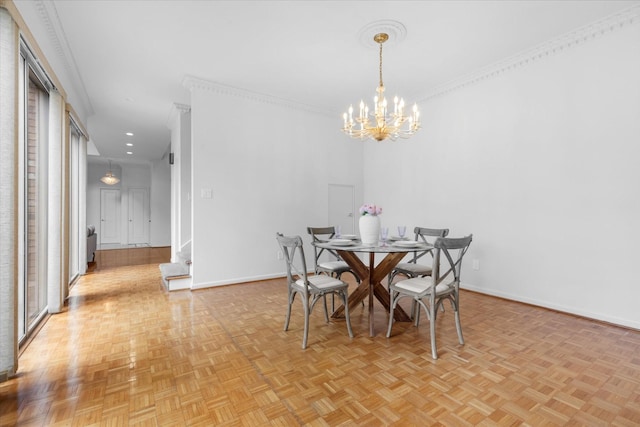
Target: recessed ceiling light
[[129, 152], [129, 134], [129, 144]]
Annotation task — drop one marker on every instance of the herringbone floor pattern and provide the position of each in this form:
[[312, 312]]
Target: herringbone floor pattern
[[126, 352]]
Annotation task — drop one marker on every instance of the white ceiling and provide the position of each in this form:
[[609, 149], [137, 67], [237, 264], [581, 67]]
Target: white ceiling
[[122, 63]]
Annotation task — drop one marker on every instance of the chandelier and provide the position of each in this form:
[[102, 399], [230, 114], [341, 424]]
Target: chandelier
[[109, 178], [385, 124]]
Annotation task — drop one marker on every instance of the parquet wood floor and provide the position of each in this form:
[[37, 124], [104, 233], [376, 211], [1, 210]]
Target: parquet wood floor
[[126, 352]]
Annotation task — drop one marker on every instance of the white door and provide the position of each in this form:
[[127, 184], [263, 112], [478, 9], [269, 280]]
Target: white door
[[138, 216], [341, 207], [109, 216]]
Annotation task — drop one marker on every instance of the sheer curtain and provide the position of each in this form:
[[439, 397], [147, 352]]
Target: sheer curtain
[[57, 236], [8, 194]]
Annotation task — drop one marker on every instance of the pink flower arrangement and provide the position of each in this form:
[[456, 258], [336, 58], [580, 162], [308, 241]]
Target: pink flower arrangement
[[368, 209]]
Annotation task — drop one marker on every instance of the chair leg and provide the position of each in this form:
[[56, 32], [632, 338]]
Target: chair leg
[[326, 313], [346, 313], [459, 327], [357, 281], [315, 299], [305, 305], [392, 306], [357, 278], [292, 296], [456, 314], [416, 312], [333, 297], [432, 330]]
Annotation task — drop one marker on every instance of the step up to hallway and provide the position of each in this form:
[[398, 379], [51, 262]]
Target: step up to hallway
[[176, 275]]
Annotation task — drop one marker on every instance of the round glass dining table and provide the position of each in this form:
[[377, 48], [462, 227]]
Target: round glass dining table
[[371, 275]]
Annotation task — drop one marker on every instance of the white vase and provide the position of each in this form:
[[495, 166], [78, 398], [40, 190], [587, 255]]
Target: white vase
[[369, 229]]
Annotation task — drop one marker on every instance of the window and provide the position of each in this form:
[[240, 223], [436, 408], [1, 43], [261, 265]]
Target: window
[[33, 119]]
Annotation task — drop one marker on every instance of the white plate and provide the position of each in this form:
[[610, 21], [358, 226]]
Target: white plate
[[407, 243], [348, 236], [341, 242]]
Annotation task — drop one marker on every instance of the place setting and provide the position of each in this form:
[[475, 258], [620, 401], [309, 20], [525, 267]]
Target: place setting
[[402, 229], [342, 242], [408, 243], [340, 239]]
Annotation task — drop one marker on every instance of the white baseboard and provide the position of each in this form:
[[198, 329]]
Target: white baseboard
[[550, 305], [205, 285]]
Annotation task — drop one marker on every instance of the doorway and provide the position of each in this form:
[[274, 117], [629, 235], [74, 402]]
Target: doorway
[[109, 216], [341, 207], [138, 216]]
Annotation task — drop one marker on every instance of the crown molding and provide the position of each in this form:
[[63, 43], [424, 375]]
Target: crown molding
[[612, 23], [49, 15], [175, 111], [195, 83], [182, 108]]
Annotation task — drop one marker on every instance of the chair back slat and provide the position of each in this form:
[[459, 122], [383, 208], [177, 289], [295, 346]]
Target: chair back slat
[[446, 246], [422, 234], [316, 233], [292, 248]]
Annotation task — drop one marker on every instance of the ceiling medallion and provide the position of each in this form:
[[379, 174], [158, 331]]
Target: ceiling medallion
[[394, 29]]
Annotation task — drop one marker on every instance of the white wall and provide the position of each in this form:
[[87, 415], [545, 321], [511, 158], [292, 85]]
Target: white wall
[[180, 125], [540, 163], [185, 194], [269, 167], [160, 203]]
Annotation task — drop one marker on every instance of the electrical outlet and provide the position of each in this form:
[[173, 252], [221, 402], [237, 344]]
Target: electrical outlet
[[476, 264], [280, 255]]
